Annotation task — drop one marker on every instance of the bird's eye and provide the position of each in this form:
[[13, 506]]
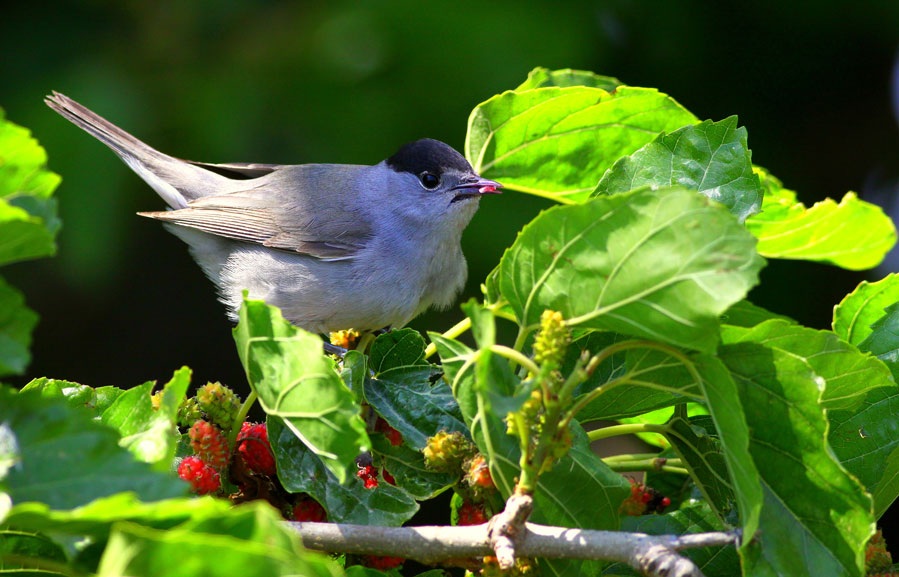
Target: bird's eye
[[429, 180]]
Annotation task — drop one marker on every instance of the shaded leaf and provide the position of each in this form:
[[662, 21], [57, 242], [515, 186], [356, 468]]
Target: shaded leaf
[[696, 517], [407, 465], [16, 323], [852, 234], [300, 471], [648, 379], [661, 264], [866, 441], [722, 399], [815, 518], [296, 382], [406, 399], [702, 454], [558, 141], [884, 339], [710, 157]]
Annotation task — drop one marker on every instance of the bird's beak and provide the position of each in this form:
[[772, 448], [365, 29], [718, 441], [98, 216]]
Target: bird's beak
[[476, 187]]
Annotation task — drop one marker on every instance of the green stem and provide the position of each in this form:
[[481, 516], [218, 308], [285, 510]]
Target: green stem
[[241, 417], [631, 457], [628, 429], [453, 332], [517, 357], [647, 466]]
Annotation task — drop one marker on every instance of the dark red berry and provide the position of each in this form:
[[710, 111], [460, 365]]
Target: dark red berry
[[369, 476], [252, 444], [309, 510], [394, 436], [471, 514], [383, 563]]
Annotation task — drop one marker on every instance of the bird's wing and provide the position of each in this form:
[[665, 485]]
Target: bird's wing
[[283, 210]]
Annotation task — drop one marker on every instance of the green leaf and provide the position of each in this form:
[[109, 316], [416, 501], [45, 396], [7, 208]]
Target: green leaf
[[16, 323], [866, 443], [493, 386], [81, 396], [52, 437], [95, 519], [21, 551], [301, 472], [399, 348], [296, 382], [695, 517], [251, 540], [648, 379], [747, 315], [661, 264], [711, 157], [854, 317], [558, 141], [702, 454], [150, 433], [407, 465], [542, 77], [884, 339], [852, 234], [723, 402], [845, 372], [815, 517], [28, 221], [406, 399]]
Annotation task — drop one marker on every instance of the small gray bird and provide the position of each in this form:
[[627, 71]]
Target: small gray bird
[[334, 246]]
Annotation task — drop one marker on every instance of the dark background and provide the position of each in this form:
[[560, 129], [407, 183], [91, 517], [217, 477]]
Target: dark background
[[349, 82]]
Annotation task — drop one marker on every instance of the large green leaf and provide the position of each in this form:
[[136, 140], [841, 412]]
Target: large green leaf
[[250, 540], [16, 323], [852, 234], [542, 77], [662, 264], [815, 518], [68, 459], [854, 317], [558, 141], [884, 339], [866, 443], [300, 471], [407, 391], [846, 373], [296, 382], [647, 379], [28, 221], [711, 157]]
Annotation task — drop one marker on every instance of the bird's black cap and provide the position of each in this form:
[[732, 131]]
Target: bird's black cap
[[427, 155]]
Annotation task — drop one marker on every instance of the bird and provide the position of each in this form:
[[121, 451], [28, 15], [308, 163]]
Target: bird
[[333, 246]]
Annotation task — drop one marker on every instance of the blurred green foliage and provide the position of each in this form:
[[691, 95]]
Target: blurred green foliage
[[269, 81]]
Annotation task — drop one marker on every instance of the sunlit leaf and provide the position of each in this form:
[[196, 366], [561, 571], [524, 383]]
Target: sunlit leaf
[[296, 382], [661, 264], [558, 141], [710, 157], [852, 234]]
